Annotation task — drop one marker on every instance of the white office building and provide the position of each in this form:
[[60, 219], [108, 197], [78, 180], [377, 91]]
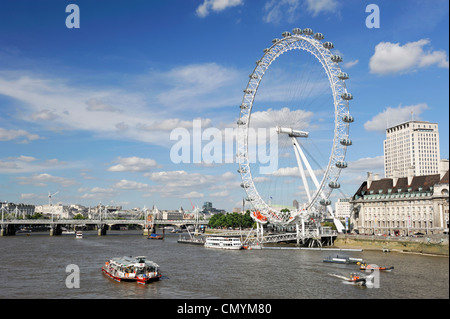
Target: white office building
[[413, 144], [343, 208]]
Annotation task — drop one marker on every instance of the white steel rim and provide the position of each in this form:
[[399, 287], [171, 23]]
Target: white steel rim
[[341, 128]]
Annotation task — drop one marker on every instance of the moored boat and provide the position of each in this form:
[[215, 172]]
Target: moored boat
[[137, 269], [342, 260], [155, 236], [335, 260], [232, 243]]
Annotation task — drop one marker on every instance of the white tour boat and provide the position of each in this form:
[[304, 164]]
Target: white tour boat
[[223, 243], [137, 269], [79, 234]]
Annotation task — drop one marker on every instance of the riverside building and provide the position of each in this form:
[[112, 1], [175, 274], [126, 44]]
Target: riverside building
[[402, 206], [411, 144]]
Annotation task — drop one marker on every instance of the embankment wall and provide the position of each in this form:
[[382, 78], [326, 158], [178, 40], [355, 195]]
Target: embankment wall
[[417, 245]]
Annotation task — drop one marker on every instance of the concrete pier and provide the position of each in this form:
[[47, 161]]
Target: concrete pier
[[8, 230], [101, 230]]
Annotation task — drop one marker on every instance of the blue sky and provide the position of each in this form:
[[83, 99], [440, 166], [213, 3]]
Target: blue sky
[[88, 112]]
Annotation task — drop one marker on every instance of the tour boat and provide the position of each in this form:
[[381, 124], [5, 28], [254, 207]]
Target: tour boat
[[223, 243], [137, 269], [79, 235], [375, 267]]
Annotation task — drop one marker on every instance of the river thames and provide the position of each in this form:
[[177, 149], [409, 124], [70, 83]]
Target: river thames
[[35, 267]]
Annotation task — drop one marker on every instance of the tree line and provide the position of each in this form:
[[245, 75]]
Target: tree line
[[233, 220]]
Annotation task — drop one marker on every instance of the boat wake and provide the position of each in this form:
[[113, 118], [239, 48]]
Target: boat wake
[[353, 279]]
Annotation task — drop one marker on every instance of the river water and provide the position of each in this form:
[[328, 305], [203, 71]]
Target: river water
[[35, 267]]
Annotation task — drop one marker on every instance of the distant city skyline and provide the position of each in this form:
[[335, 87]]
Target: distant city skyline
[[88, 111]]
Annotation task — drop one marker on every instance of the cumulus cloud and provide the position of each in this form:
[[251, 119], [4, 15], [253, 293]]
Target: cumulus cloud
[[133, 164], [130, 185], [393, 116], [216, 5], [390, 58], [181, 183], [96, 192], [9, 135]]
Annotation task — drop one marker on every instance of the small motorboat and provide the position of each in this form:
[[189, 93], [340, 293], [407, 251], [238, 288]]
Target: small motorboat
[[79, 234], [374, 267], [355, 279]]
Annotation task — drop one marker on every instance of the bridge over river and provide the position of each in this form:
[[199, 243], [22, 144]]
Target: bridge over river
[[9, 226]]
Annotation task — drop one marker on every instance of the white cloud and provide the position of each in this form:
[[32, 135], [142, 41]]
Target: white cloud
[[278, 10], [284, 116], [9, 135], [130, 185], [317, 6], [27, 164], [133, 164], [44, 115], [43, 180], [366, 164], [181, 183], [216, 5], [390, 58], [393, 116], [350, 64], [96, 192], [142, 113], [198, 86], [96, 105]]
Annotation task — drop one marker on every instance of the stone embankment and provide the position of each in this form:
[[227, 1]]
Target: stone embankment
[[434, 245]]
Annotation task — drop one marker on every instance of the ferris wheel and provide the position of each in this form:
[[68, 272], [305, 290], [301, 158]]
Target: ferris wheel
[[299, 115]]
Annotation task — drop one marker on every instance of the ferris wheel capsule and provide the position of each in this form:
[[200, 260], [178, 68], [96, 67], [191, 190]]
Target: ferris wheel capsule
[[286, 34], [275, 40], [308, 31], [325, 202], [336, 58], [319, 36], [346, 96], [341, 164], [297, 31], [334, 184], [347, 118], [346, 142], [343, 76], [328, 45]]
